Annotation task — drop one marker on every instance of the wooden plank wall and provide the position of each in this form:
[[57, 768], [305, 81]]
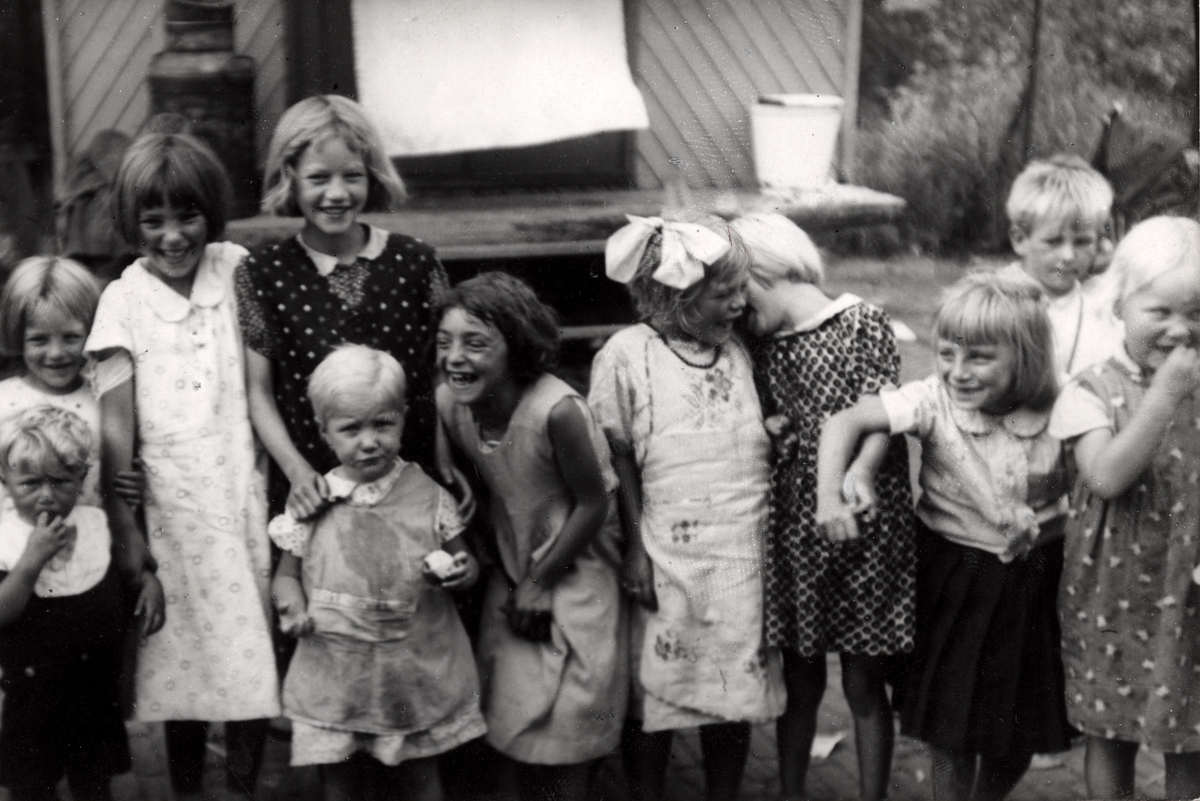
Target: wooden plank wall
[[103, 50], [700, 64]]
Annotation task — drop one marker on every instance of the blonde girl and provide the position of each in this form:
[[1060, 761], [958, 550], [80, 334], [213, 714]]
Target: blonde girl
[[171, 383], [339, 280], [815, 355], [675, 395], [1128, 603], [984, 689]]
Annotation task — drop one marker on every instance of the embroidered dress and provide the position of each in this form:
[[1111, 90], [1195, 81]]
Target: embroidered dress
[[1128, 602], [295, 305], [854, 597], [697, 437], [387, 669], [985, 674], [204, 501], [18, 395], [563, 701], [60, 660]]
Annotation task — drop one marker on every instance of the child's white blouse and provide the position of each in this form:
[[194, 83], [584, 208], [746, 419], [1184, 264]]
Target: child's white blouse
[[77, 567], [986, 480], [1079, 410], [293, 535]]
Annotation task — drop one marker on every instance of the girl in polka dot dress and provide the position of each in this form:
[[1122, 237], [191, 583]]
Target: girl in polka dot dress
[[815, 355], [1128, 601], [171, 382], [339, 280]]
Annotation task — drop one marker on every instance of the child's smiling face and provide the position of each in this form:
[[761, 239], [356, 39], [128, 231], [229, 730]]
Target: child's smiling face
[[173, 241], [331, 184], [53, 349], [46, 487], [1162, 315], [1057, 253], [365, 437], [472, 355], [979, 377], [712, 315]]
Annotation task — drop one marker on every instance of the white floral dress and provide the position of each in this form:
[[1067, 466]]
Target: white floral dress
[[697, 437], [205, 494]]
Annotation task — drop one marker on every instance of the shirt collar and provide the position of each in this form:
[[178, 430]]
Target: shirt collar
[[208, 290], [326, 264], [1134, 369], [1021, 422], [834, 307], [362, 493]]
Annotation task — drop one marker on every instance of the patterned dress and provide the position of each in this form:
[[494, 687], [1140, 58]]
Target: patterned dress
[[1131, 646], [294, 316], [697, 438], [854, 597]]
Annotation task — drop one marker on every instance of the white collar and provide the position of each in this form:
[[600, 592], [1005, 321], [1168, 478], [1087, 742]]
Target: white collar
[[208, 290], [375, 243], [1020, 422], [833, 307], [362, 493]]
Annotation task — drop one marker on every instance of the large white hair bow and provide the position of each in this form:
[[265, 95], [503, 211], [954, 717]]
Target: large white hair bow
[[686, 248]]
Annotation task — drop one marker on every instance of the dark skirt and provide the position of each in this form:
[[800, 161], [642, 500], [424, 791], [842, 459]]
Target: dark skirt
[[986, 675]]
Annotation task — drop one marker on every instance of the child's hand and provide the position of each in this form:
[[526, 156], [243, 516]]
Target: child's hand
[[309, 494], [294, 620], [1179, 375], [130, 485], [783, 437], [835, 520], [463, 574], [858, 493], [50, 535], [637, 578], [529, 611], [151, 607]]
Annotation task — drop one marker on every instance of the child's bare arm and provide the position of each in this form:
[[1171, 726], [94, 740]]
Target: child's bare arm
[[840, 437], [862, 471], [309, 493], [117, 437], [287, 593], [1110, 463], [49, 535], [637, 572]]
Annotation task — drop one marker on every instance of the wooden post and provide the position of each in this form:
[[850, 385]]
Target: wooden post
[[1031, 90], [853, 54]]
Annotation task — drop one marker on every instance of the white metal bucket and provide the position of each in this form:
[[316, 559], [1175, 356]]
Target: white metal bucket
[[794, 136]]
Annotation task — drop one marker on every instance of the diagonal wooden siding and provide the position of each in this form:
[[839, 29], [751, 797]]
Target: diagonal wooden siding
[[701, 63], [105, 48]]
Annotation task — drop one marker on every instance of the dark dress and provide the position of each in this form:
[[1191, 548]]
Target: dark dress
[[854, 597], [294, 316]]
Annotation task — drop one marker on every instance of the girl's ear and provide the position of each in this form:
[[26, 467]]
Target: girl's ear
[[1017, 238]]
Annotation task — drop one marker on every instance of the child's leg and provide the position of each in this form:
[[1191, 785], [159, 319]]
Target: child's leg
[[244, 740], [796, 727], [554, 782], [414, 780], [999, 775], [645, 758], [953, 774], [874, 730], [1183, 775], [724, 746], [1108, 767], [185, 754]]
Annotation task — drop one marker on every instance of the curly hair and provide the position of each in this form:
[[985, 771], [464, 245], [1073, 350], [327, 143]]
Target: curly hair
[[529, 326], [43, 436]]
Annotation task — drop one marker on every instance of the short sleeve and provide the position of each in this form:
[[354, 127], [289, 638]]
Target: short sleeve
[[290, 534], [877, 343], [111, 327], [111, 373], [447, 520], [257, 332], [911, 409], [1077, 411], [612, 397]]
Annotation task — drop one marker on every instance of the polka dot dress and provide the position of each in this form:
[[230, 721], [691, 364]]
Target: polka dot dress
[[294, 316], [852, 597]]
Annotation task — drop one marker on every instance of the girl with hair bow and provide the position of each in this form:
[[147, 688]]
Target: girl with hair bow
[[676, 398]]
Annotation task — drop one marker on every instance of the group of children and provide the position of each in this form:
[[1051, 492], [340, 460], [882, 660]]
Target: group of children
[[679, 549]]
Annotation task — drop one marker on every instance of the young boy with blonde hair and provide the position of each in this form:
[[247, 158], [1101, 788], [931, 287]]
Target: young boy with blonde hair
[[1058, 211]]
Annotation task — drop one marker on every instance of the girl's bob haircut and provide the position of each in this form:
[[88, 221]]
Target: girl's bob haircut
[[508, 304], [352, 377], [46, 437], [779, 249], [170, 168], [661, 305], [1154, 246], [313, 121], [40, 282], [999, 308]]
